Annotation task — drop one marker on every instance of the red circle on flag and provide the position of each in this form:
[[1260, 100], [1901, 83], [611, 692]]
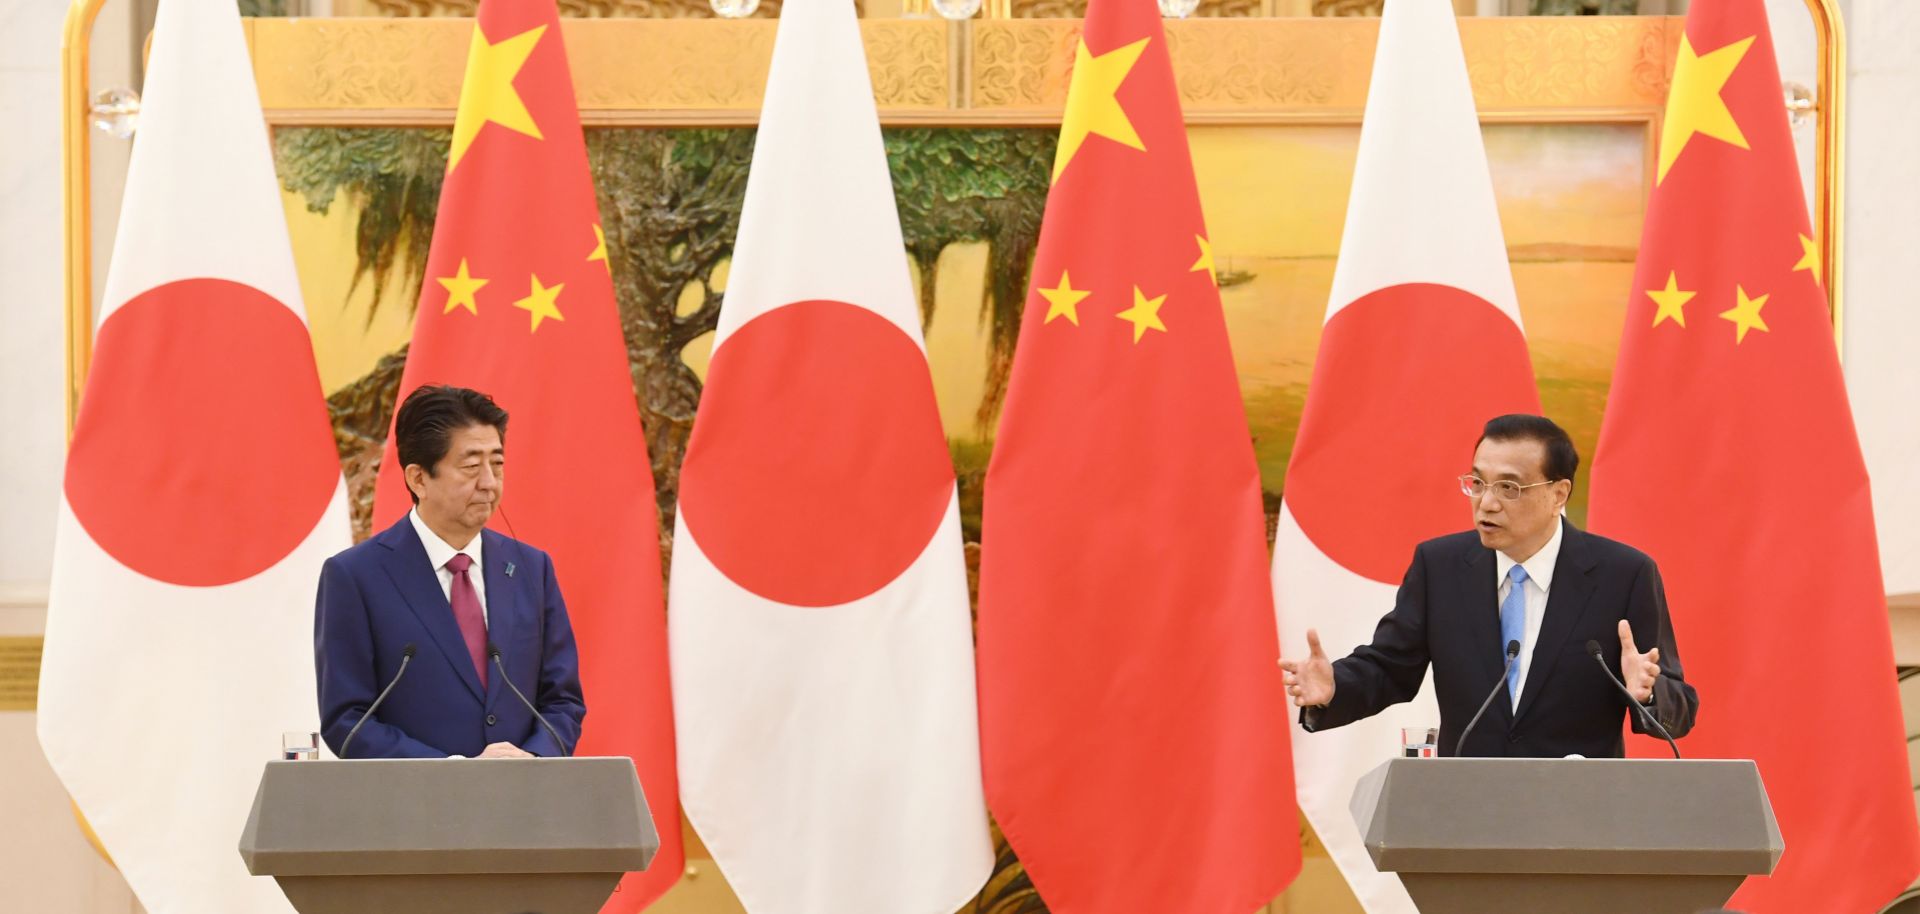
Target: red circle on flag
[[202, 454], [818, 470], [1406, 378]]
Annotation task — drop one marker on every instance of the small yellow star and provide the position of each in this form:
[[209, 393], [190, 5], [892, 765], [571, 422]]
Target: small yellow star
[[1670, 301], [1092, 107], [1206, 260], [1809, 258], [1694, 104], [542, 302], [486, 92], [1144, 315], [1745, 315], [1062, 300], [460, 289], [600, 249]]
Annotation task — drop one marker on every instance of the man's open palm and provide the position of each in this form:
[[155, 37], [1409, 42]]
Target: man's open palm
[[1310, 681]]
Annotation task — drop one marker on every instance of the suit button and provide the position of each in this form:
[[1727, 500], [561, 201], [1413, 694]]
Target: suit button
[[491, 720]]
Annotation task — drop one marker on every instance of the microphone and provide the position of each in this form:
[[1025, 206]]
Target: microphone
[[1513, 653], [406, 657], [1593, 650], [493, 650]]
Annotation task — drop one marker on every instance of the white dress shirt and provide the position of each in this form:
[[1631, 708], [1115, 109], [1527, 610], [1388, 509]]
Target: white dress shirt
[[1539, 582], [439, 552]]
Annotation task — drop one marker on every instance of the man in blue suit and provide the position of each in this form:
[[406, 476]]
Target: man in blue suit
[[471, 602]]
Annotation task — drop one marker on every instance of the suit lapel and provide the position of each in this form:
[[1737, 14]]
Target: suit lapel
[[419, 585], [1566, 603], [503, 603], [1483, 617]]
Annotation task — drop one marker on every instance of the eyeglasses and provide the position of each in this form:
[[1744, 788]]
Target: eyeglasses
[[1473, 487]]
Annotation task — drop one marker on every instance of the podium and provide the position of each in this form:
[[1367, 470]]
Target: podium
[[1573, 836], [427, 836]]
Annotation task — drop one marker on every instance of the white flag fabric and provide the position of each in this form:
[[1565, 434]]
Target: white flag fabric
[[1422, 345], [202, 493], [822, 656]]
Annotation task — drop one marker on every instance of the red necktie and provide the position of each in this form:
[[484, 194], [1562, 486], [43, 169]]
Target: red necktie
[[466, 611]]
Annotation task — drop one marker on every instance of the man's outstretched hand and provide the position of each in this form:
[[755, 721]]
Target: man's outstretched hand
[[1310, 681]]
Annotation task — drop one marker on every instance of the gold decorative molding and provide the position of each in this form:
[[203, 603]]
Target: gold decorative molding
[[1564, 61], [1077, 9], [1317, 69], [625, 71], [1349, 7], [1021, 66], [1007, 71], [19, 672], [584, 9]]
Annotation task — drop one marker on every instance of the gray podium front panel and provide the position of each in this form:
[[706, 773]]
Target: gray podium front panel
[[1567, 835], [477, 836]]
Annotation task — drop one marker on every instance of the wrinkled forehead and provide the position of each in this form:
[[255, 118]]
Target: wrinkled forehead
[[1519, 459]]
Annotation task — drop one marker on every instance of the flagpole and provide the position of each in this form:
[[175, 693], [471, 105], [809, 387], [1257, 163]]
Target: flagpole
[[76, 163], [76, 147], [1829, 156]]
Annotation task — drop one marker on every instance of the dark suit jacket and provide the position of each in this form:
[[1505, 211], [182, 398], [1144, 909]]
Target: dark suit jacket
[[383, 594], [1446, 614]]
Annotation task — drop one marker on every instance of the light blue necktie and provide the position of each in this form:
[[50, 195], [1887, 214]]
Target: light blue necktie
[[1513, 624]]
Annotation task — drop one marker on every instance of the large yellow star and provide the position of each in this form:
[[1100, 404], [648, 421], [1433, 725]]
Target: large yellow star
[[1694, 104], [1670, 301], [1092, 107], [600, 249], [487, 94], [1206, 260], [1809, 257], [542, 302], [1745, 315], [460, 289], [1144, 315], [1063, 299]]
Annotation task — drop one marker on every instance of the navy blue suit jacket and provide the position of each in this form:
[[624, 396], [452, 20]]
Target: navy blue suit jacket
[[381, 595], [1446, 615]]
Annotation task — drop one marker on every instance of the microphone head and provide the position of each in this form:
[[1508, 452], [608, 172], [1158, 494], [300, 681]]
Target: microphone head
[[410, 650], [493, 650], [1593, 648], [1513, 649]]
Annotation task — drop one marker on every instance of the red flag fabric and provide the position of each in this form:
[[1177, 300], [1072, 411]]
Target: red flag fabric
[[518, 302], [1728, 453], [1133, 721]]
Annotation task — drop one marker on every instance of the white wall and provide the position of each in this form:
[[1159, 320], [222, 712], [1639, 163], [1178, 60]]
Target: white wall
[[1882, 267], [30, 310], [45, 863]]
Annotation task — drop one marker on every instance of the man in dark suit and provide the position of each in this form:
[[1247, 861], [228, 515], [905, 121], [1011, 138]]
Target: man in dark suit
[[440, 581], [1522, 574]]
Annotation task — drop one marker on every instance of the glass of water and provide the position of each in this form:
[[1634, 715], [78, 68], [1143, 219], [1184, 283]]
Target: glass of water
[[1419, 742], [299, 745]]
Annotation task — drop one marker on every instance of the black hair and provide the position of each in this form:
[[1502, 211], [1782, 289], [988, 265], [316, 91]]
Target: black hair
[[423, 428], [1562, 459]]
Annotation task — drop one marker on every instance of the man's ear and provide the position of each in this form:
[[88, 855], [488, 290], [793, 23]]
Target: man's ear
[[414, 475]]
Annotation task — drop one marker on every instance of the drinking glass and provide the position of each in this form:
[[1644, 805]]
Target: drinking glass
[[299, 745]]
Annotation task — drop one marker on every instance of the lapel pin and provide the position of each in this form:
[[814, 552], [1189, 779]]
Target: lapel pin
[[509, 569]]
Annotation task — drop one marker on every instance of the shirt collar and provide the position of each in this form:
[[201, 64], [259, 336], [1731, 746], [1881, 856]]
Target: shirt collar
[[1539, 567], [439, 551]]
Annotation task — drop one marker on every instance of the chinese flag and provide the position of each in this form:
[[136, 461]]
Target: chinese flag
[[1729, 455], [1133, 721], [518, 302]]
